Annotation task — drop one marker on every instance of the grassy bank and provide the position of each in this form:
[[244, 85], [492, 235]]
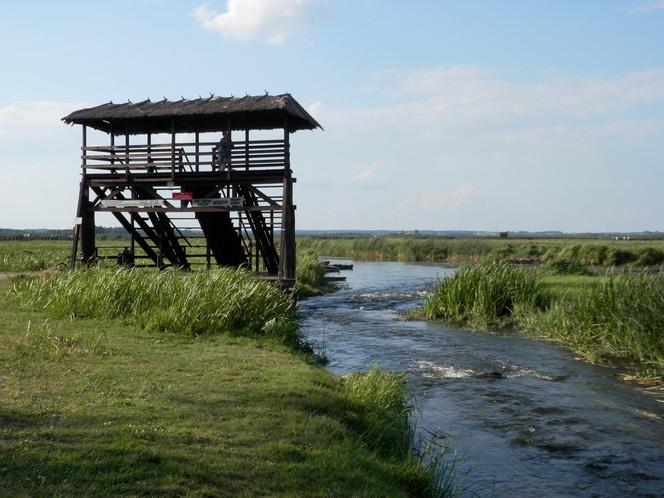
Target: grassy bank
[[616, 320], [310, 274], [28, 256], [98, 399], [562, 252]]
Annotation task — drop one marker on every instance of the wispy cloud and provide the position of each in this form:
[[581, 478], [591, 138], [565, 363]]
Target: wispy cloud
[[440, 98], [368, 173], [273, 20], [649, 7], [30, 117]]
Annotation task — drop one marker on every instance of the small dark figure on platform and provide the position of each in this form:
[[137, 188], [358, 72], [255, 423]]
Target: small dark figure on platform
[[223, 152]]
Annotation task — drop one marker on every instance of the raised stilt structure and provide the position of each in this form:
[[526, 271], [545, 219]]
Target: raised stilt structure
[[231, 192]]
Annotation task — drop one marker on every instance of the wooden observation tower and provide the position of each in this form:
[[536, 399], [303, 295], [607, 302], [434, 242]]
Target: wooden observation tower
[[215, 170]]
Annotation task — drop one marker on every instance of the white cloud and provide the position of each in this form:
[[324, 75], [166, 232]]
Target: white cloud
[[274, 20], [440, 101], [649, 7], [368, 173], [20, 118]]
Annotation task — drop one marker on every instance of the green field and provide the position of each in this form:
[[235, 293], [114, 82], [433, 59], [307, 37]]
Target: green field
[[599, 253], [99, 399], [584, 252]]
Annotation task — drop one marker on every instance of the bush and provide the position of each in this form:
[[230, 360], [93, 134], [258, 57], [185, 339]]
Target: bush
[[567, 267], [650, 256]]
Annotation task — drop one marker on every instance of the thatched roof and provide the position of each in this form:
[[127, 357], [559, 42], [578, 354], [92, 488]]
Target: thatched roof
[[211, 114]]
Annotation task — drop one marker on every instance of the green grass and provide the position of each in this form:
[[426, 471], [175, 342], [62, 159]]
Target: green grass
[[218, 300], [33, 255], [310, 274], [616, 320], [560, 286], [485, 295], [97, 401]]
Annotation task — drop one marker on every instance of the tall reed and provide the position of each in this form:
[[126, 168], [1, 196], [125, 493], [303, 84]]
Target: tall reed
[[619, 317], [218, 300], [310, 273], [484, 295]]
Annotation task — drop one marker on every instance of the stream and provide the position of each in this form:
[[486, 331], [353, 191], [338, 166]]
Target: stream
[[552, 426]]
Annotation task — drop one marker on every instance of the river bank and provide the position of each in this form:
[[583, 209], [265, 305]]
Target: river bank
[[612, 320], [98, 399]]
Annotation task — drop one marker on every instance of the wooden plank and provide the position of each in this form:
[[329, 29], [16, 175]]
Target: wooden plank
[[184, 210]]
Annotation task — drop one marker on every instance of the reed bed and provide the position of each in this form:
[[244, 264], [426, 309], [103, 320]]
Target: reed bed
[[610, 319], [194, 303], [617, 318], [310, 274], [564, 253], [485, 295]]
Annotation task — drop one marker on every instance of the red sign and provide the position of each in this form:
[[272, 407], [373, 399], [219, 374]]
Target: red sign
[[182, 196]]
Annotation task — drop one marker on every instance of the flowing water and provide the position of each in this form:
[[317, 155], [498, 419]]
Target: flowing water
[[551, 426]]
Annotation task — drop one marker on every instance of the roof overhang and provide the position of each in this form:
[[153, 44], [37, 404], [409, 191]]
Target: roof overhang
[[213, 114]]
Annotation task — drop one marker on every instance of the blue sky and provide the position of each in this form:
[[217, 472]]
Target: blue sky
[[481, 115]]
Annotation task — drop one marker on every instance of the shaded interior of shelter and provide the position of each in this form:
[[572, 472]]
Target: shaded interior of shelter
[[186, 195]]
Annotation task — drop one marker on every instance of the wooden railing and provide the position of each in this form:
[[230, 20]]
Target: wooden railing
[[182, 157]]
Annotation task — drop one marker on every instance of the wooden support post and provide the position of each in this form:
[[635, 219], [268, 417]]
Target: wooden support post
[[87, 231], [246, 149], [127, 150], [81, 198], [198, 152], [149, 152], [287, 250], [258, 256], [84, 146], [229, 166], [172, 149], [85, 213], [112, 141], [133, 228]]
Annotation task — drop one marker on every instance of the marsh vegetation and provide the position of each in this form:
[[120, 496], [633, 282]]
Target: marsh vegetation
[[614, 319], [571, 253]]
